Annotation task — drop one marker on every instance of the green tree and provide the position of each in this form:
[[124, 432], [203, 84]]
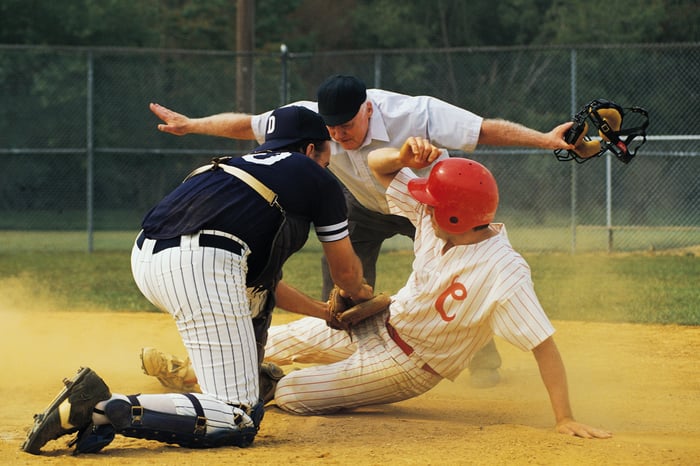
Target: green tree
[[601, 22], [79, 22], [196, 24], [681, 22], [318, 25]]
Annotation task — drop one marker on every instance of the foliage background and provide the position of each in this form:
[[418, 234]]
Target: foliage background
[[347, 24]]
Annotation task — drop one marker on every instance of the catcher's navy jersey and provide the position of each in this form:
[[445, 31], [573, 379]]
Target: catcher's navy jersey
[[219, 201]]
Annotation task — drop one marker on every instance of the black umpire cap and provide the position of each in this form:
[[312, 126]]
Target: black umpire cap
[[339, 98], [292, 125]]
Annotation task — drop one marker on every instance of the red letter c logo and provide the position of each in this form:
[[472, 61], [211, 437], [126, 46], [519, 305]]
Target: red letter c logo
[[457, 291]]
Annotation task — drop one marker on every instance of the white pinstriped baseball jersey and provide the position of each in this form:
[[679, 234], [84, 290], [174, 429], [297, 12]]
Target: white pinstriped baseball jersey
[[451, 306], [454, 302]]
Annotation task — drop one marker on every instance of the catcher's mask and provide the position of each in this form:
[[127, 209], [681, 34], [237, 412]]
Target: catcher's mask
[[462, 192], [609, 119]]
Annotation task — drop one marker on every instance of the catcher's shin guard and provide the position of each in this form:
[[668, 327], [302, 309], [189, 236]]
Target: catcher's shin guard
[[133, 420], [69, 412]]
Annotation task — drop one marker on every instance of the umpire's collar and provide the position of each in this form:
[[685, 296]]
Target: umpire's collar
[[377, 129]]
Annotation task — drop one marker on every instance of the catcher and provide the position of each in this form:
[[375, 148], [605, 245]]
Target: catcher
[[211, 254]]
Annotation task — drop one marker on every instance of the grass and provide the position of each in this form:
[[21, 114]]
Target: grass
[[619, 288], [625, 287], [69, 280]]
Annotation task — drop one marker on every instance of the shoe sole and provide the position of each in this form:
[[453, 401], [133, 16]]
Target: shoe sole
[[63, 395], [147, 370]]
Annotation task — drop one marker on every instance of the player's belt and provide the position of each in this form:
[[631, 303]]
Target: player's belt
[[205, 240], [405, 347]]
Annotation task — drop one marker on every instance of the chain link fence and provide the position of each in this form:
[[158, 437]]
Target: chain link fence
[[80, 151]]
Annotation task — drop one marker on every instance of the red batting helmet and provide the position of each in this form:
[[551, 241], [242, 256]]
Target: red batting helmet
[[462, 192]]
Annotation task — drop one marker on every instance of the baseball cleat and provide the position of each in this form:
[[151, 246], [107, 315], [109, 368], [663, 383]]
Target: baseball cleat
[[171, 371], [69, 412]]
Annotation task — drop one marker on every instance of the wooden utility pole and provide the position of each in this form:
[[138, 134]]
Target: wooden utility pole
[[245, 44]]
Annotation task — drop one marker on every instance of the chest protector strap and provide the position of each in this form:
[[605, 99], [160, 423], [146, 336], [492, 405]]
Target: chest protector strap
[[217, 163]]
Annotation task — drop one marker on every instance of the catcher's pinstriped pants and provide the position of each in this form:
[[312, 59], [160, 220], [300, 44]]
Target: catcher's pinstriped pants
[[203, 286]]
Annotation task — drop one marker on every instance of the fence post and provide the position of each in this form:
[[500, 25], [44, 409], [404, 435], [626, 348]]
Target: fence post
[[573, 165], [89, 153], [377, 70], [284, 55], [608, 201]]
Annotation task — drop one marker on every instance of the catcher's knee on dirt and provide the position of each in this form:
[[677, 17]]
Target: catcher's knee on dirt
[[131, 419]]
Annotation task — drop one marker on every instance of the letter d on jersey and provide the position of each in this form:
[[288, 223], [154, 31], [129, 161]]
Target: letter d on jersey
[[271, 124]]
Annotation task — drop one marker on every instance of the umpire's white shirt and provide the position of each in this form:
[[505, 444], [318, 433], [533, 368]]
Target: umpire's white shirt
[[395, 118]]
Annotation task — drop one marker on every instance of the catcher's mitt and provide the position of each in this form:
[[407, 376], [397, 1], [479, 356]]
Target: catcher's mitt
[[608, 118], [344, 312]]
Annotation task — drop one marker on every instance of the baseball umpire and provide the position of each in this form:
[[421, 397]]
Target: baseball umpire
[[211, 254]]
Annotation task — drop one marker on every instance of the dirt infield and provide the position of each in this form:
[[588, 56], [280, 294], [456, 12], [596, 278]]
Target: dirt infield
[[641, 382]]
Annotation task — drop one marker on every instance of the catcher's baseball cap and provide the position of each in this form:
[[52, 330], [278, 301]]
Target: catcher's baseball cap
[[339, 98], [291, 125]]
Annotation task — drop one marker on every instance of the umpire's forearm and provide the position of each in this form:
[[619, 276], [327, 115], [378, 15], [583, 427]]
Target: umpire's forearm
[[498, 132], [229, 125]]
